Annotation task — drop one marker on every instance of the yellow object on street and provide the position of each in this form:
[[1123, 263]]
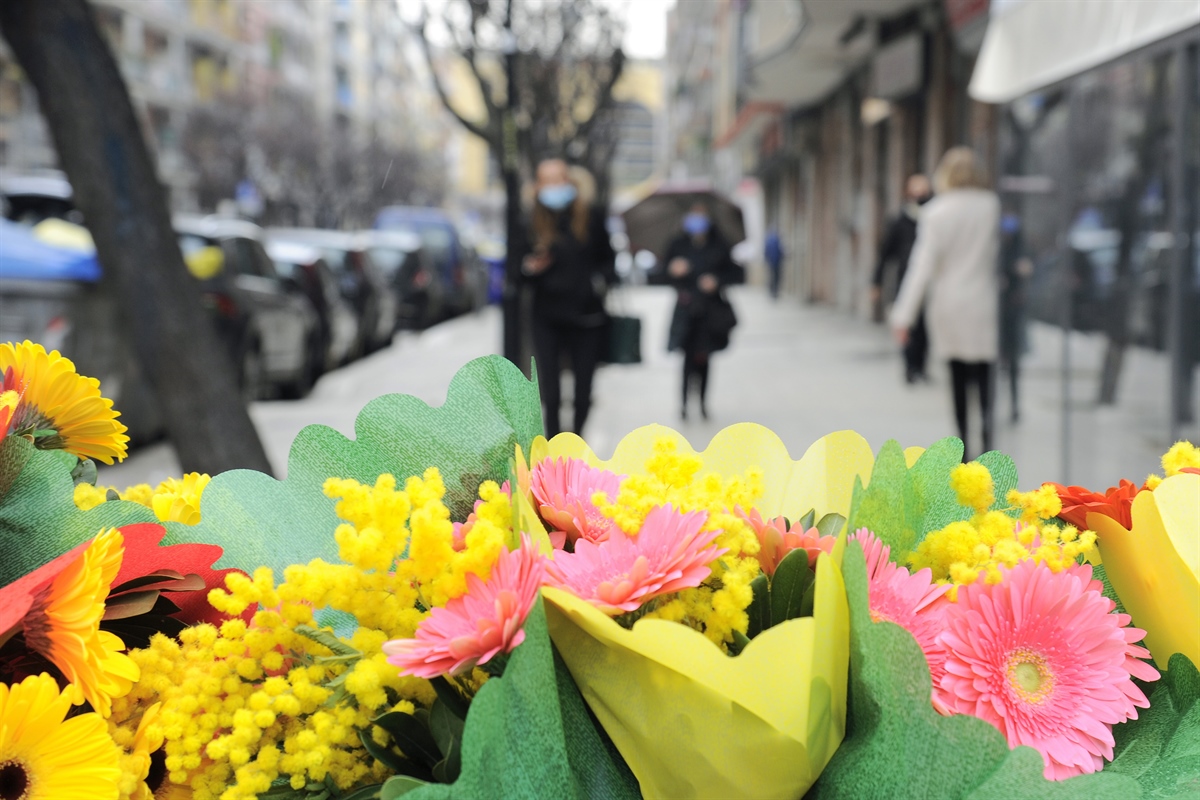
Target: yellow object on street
[[1155, 567]]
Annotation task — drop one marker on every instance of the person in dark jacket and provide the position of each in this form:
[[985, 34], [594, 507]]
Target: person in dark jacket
[[570, 263], [896, 247], [699, 266]]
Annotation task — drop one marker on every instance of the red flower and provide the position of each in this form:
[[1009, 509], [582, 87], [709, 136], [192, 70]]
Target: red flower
[[1078, 502]]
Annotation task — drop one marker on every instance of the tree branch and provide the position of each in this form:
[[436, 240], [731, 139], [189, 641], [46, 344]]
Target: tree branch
[[488, 132]]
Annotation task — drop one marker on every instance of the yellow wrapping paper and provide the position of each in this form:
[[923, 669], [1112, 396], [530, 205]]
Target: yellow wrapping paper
[[689, 720], [686, 717], [1155, 568]]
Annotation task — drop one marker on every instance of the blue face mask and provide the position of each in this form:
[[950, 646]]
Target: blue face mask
[[696, 224], [556, 198]]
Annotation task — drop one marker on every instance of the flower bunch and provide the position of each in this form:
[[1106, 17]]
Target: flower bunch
[[1015, 630], [244, 705]]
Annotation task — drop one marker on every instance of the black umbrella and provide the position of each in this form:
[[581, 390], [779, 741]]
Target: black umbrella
[[653, 222]]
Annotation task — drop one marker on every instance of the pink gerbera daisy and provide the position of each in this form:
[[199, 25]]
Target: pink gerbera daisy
[[1040, 657], [619, 574], [564, 488], [776, 539], [473, 628], [912, 601]]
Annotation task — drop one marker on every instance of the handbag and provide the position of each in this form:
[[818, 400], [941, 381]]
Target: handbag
[[719, 321], [624, 334]]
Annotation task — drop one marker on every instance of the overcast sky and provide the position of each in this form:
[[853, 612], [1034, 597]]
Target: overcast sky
[[646, 36], [646, 21]]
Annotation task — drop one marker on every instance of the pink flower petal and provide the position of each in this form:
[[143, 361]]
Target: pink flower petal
[[474, 628], [619, 574]]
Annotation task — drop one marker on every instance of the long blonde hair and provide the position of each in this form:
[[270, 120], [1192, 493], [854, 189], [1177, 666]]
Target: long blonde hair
[[545, 231], [960, 168]]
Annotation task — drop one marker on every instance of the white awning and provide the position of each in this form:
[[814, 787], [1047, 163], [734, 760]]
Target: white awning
[[1034, 43]]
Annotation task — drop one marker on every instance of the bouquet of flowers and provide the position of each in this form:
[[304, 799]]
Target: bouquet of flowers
[[450, 605]]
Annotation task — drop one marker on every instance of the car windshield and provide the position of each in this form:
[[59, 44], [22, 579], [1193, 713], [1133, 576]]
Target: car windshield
[[388, 259]]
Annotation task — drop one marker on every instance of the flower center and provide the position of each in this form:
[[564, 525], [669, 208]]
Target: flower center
[[14, 781], [1029, 676]]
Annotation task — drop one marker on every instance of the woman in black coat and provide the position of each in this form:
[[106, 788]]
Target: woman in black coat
[[570, 263], [699, 266]]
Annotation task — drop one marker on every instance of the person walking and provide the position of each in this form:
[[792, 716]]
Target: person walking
[[571, 264], [699, 266], [1015, 272], [953, 264], [896, 248], [773, 254]]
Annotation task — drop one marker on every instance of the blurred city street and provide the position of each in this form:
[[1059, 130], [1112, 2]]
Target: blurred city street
[[803, 371]]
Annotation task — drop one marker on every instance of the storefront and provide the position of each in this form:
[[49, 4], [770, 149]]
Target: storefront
[[1098, 164]]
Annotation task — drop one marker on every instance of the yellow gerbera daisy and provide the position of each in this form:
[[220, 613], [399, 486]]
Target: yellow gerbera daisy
[[43, 757], [55, 397], [9, 399], [64, 625]]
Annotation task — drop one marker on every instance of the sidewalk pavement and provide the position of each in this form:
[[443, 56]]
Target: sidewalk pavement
[[802, 371]]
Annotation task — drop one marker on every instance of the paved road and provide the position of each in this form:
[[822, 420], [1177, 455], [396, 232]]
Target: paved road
[[803, 371]]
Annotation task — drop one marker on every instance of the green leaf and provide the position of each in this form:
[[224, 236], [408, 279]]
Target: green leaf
[[84, 472], [808, 520], [383, 755], [1161, 748], [365, 793], [760, 607], [399, 786], [830, 524], [897, 746], [445, 727], [450, 695], [411, 734], [340, 649], [39, 520], [490, 408], [529, 735], [791, 581], [740, 640]]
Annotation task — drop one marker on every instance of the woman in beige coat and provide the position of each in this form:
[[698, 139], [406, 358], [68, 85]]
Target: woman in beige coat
[[952, 271]]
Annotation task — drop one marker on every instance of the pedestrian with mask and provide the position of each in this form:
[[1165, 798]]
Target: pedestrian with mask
[[952, 272], [699, 266], [570, 264], [896, 248]]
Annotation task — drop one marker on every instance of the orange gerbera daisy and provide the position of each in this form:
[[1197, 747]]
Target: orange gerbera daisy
[[1078, 502], [63, 624], [54, 397]]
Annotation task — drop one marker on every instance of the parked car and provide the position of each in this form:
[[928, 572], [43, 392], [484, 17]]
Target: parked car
[[360, 281], [30, 197], [459, 270], [408, 268], [266, 321], [338, 322]]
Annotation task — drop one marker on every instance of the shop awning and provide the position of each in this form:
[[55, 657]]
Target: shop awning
[[1033, 43]]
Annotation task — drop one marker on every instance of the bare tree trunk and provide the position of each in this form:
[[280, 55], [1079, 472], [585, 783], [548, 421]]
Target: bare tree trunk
[[100, 146]]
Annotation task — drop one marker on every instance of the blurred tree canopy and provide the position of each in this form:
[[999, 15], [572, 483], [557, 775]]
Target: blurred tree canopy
[[544, 73], [307, 175]]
